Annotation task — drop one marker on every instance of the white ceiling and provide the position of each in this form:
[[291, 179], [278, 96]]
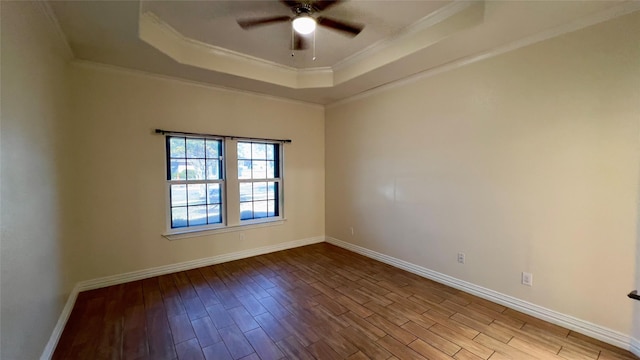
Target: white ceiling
[[214, 22], [200, 40]]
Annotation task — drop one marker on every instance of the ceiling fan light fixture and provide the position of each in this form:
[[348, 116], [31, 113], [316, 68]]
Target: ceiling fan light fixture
[[304, 24]]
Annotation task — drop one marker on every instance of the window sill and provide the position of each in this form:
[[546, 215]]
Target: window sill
[[233, 228]]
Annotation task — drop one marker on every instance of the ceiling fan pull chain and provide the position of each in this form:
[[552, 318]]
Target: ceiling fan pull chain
[[314, 46], [293, 42]]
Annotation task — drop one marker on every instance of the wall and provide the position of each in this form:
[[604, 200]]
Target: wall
[[35, 278], [119, 191], [527, 161], [636, 328], [636, 310]]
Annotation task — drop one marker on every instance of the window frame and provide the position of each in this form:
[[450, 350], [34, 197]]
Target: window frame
[[229, 190], [279, 181], [222, 183]]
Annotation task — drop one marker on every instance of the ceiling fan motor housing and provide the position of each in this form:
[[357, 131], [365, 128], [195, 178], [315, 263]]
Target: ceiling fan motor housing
[[303, 9]]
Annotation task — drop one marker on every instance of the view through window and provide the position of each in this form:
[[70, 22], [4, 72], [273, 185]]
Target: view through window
[[198, 182], [259, 177]]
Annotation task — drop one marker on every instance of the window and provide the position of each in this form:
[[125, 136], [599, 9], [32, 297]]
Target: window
[[259, 178], [206, 192], [195, 179]]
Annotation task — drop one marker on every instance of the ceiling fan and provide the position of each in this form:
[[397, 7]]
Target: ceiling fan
[[304, 20]]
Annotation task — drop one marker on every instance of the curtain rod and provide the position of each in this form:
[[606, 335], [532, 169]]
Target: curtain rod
[[164, 132]]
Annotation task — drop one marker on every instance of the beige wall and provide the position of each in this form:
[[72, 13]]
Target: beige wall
[[35, 278], [636, 309], [526, 162], [119, 181], [83, 189], [636, 304]]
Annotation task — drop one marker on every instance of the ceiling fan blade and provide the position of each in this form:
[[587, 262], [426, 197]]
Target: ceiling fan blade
[[300, 42], [321, 5], [249, 23], [350, 29]]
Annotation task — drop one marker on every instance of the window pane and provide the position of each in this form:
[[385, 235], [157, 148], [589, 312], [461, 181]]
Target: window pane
[[259, 168], [271, 170], [176, 147], [270, 151], [246, 192], [271, 208], [199, 165], [178, 217], [271, 190], [197, 194], [195, 148], [246, 210], [244, 169], [197, 215], [244, 150], [213, 194], [259, 209], [260, 191], [213, 170], [179, 196], [195, 169], [213, 149], [213, 216], [178, 169], [259, 151]]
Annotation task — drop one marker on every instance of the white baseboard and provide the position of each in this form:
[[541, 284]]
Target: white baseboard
[[192, 264], [581, 326], [635, 347], [160, 270], [59, 328], [584, 327]]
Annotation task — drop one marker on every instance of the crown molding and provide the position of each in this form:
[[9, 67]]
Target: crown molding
[[149, 16], [455, 18], [185, 50], [51, 16], [431, 29], [421, 25], [144, 74], [624, 8]]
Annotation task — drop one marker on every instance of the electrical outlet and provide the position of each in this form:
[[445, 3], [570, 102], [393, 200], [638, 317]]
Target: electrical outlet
[[462, 258], [527, 279], [241, 236], [352, 232]]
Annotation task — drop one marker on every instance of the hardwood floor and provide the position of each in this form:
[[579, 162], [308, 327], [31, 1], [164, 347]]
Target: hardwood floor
[[313, 302]]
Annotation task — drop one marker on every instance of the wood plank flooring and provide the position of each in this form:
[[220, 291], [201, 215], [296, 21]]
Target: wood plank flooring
[[313, 302]]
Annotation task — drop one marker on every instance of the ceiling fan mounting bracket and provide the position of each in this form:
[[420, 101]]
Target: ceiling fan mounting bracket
[[303, 9]]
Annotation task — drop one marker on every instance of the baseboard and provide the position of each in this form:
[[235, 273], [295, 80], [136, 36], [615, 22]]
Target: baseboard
[[188, 265], [160, 270], [59, 328], [635, 347], [584, 327]]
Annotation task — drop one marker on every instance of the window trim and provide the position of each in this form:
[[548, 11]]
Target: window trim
[[279, 180], [226, 229], [168, 182], [227, 182]]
